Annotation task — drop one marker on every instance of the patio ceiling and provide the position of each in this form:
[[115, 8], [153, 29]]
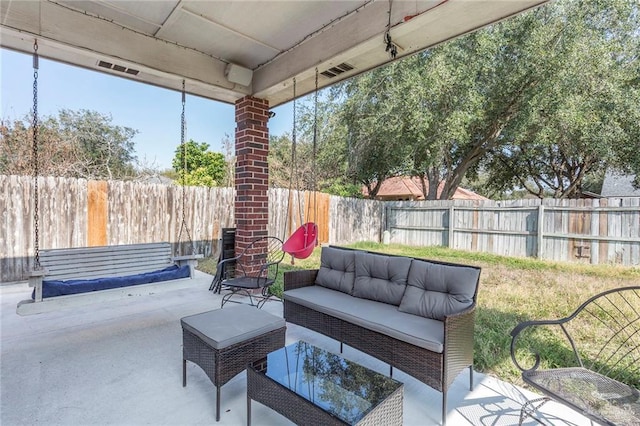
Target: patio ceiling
[[265, 44]]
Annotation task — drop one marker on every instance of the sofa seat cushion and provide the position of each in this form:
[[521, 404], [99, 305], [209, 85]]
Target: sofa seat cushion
[[381, 278], [337, 269], [380, 317], [437, 290]]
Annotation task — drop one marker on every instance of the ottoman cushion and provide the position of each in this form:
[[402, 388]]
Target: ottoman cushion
[[221, 328]]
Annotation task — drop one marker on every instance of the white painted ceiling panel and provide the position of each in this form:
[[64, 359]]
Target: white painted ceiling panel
[[216, 40], [194, 40], [128, 14], [279, 24]]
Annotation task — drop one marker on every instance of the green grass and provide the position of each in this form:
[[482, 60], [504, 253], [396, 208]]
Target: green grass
[[512, 290]]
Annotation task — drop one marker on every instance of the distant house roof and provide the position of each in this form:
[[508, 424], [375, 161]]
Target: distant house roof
[[410, 188], [618, 185]]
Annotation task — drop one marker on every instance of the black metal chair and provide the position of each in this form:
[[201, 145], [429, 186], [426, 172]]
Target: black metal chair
[[251, 273], [600, 375]]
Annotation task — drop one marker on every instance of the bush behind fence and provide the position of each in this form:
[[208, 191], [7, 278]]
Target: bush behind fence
[[78, 213]]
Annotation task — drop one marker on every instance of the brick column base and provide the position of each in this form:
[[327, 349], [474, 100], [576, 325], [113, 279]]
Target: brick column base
[[252, 171]]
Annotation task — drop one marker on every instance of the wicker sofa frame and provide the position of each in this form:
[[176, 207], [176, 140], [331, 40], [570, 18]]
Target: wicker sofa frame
[[599, 380], [437, 370]]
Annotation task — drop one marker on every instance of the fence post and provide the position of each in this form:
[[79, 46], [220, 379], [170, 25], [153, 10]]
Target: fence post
[[451, 229], [384, 220], [540, 236]]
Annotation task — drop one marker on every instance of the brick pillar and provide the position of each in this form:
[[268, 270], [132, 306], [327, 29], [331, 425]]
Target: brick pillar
[[252, 171]]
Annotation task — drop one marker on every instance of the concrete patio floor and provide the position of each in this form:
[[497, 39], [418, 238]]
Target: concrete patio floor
[[120, 363]]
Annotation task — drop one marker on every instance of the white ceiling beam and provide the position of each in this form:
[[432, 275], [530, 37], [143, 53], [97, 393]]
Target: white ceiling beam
[[361, 44], [81, 39], [92, 36]]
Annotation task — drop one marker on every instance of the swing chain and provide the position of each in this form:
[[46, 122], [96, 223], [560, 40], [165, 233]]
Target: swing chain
[[390, 45], [315, 133], [294, 160], [183, 145], [36, 214], [314, 154]]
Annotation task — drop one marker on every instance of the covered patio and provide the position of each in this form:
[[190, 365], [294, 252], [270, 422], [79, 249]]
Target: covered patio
[[120, 363], [246, 53]]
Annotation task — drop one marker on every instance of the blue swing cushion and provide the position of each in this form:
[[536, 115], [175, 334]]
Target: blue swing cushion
[[53, 288]]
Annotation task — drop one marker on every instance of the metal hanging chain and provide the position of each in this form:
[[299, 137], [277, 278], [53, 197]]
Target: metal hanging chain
[[183, 145], [390, 46], [293, 174], [296, 174], [36, 171], [315, 148]]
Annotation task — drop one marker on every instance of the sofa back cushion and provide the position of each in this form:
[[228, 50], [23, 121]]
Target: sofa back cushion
[[435, 290], [337, 269], [381, 278]]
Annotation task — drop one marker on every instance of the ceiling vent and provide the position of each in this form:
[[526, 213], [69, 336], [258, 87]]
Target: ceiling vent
[[119, 68], [338, 69]]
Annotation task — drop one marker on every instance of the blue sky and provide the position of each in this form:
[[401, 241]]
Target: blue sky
[[153, 111]]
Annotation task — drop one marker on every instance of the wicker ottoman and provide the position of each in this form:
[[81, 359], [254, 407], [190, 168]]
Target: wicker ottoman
[[223, 342]]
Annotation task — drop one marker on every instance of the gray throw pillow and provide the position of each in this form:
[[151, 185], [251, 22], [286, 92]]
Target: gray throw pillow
[[381, 278], [337, 268], [435, 290]]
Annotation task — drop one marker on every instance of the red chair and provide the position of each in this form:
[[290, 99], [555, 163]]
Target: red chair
[[301, 243]]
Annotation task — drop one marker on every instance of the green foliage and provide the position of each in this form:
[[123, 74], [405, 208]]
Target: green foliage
[[541, 103], [343, 189], [372, 115], [201, 168], [80, 144], [584, 113], [326, 172], [107, 149], [281, 175]]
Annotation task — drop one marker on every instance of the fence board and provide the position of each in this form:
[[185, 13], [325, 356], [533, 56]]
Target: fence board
[[596, 231], [97, 213], [609, 229]]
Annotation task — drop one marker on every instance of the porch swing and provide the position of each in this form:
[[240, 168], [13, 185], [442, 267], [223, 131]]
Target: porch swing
[[301, 243], [70, 277]]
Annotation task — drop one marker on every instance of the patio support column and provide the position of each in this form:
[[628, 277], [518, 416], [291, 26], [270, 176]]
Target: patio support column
[[252, 171]]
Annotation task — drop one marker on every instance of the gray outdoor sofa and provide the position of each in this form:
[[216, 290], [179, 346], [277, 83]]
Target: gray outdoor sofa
[[414, 314]]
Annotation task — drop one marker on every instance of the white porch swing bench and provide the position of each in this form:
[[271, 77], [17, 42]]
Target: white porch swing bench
[[116, 262], [78, 276]]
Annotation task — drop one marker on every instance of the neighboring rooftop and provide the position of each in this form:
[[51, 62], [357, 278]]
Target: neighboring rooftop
[[401, 188], [618, 185]]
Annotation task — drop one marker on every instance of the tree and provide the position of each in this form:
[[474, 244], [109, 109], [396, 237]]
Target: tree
[[57, 155], [81, 144], [584, 116], [107, 150], [201, 168], [326, 170], [540, 101], [433, 115], [372, 114], [279, 160]]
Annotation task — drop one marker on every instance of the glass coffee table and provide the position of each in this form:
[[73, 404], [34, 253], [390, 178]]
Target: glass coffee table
[[309, 385]]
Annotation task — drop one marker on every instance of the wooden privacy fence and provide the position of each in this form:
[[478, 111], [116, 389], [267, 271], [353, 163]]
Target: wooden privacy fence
[[80, 213], [83, 213], [599, 231]]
